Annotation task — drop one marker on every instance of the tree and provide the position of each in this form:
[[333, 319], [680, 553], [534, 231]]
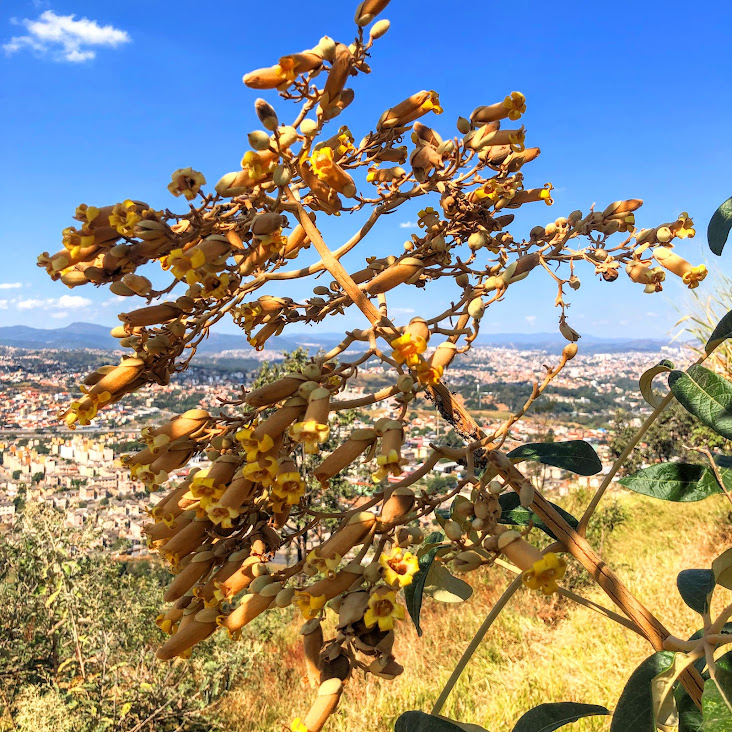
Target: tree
[[221, 528], [78, 634], [672, 436]]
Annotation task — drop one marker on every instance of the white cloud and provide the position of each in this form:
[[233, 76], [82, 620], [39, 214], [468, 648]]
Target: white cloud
[[60, 314], [407, 224], [3, 304], [113, 301], [67, 302], [61, 38], [531, 319], [401, 311], [10, 285]]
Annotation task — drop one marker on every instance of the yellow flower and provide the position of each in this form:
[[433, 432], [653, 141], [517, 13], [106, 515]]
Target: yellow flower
[[383, 609], [247, 314], [183, 264], [515, 103], [298, 725], [204, 489], [432, 103], [427, 373], [325, 566], [517, 139], [261, 471], [252, 447], [399, 567], [221, 515], [75, 239], [407, 348], [216, 286], [86, 213], [309, 606], [288, 487], [186, 181], [683, 227], [165, 624], [311, 434], [694, 276], [428, 217], [545, 573], [257, 165], [123, 218], [84, 410], [389, 464]]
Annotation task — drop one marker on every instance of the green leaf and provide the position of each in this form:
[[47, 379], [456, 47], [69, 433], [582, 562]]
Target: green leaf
[[513, 513], [413, 592], [443, 586], [719, 227], [680, 482], [721, 332], [706, 395], [577, 456], [715, 712], [634, 711], [421, 722], [695, 587], [646, 381], [722, 568], [548, 717]]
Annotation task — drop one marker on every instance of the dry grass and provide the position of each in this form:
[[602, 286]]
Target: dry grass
[[538, 650]]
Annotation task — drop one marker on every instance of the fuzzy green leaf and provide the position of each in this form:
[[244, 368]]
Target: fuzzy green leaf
[[513, 513], [679, 482], [634, 711], [413, 592], [706, 395], [719, 227], [577, 456], [715, 712], [695, 587], [721, 332], [421, 722], [443, 586], [548, 717]]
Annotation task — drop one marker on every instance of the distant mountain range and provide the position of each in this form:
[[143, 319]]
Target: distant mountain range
[[90, 335]]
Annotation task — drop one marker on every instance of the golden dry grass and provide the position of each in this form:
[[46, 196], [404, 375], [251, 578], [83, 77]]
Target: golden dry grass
[[539, 650]]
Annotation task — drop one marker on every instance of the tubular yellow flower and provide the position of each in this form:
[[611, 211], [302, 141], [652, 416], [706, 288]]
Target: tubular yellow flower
[[186, 181], [545, 573], [411, 109], [310, 605], [221, 515], [323, 164], [261, 471], [327, 565], [205, 489], [124, 217], [311, 434], [383, 609], [399, 567], [288, 487], [407, 348], [183, 264], [216, 286], [691, 276], [253, 447]]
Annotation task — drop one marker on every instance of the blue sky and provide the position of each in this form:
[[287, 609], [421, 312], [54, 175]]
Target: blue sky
[[624, 99]]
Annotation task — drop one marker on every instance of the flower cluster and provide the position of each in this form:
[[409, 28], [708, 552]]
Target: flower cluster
[[270, 450]]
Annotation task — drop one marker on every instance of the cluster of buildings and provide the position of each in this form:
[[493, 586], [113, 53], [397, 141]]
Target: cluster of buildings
[[80, 472]]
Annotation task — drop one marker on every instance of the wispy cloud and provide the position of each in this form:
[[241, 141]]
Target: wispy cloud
[[531, 319], [407, 224], [60, 314], [61, 38], [3, 304], [65, 302], [10, 285]]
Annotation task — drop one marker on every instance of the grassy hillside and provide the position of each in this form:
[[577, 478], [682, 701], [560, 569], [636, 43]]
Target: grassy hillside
[[539, 650]]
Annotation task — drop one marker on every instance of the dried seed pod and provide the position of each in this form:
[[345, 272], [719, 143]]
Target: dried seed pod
[[329, 694]]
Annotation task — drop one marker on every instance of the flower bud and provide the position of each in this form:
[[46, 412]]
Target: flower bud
[[259, 140], [379, 29], [267, 115]]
